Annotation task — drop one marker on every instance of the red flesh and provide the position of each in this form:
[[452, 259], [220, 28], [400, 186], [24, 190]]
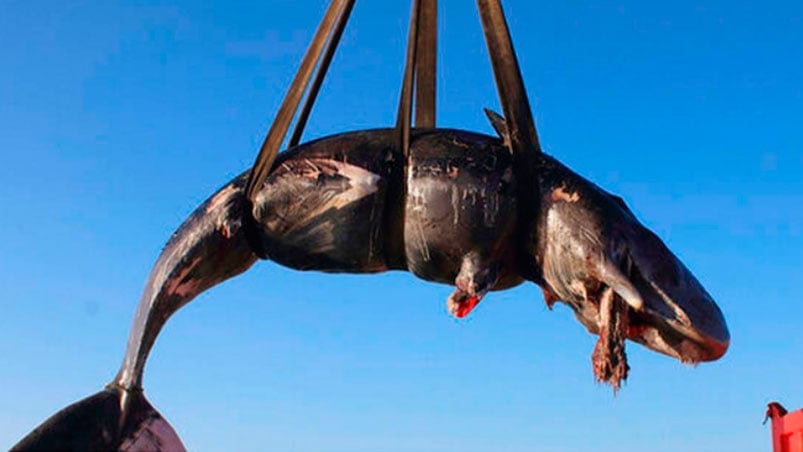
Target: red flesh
[[466, 306]]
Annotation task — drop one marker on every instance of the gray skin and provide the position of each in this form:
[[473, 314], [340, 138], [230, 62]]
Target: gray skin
[[452, 214], [618, 277]]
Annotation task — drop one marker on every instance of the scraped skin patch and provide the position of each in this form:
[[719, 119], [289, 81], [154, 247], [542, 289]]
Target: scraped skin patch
[[559, 194]]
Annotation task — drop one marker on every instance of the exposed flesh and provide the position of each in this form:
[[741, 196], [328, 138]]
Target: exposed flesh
[[609, 359]]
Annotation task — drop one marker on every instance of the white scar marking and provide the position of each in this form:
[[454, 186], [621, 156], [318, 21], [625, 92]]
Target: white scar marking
[[422, 239], [455, 204]]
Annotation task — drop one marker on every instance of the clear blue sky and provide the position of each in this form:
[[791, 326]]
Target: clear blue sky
[[118, 118]]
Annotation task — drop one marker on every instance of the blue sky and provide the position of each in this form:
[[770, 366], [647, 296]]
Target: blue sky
[[118, 118]]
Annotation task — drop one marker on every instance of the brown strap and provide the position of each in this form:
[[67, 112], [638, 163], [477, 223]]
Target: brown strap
[[512, 94], [406, 97], [320, 74], [278, 130], [426, 64], [419, 72]]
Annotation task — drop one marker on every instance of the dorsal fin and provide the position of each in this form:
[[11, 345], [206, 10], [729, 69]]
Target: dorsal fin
[[499, 124]]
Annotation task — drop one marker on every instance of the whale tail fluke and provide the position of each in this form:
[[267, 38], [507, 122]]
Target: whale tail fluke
[[99, 422]]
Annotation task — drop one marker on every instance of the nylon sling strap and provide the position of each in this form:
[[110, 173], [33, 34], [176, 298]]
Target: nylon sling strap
[[426, 64], [419, 79], [509, 84], [329, 32], [522, 138], [309, 102], [419, 73], [335, 18]]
